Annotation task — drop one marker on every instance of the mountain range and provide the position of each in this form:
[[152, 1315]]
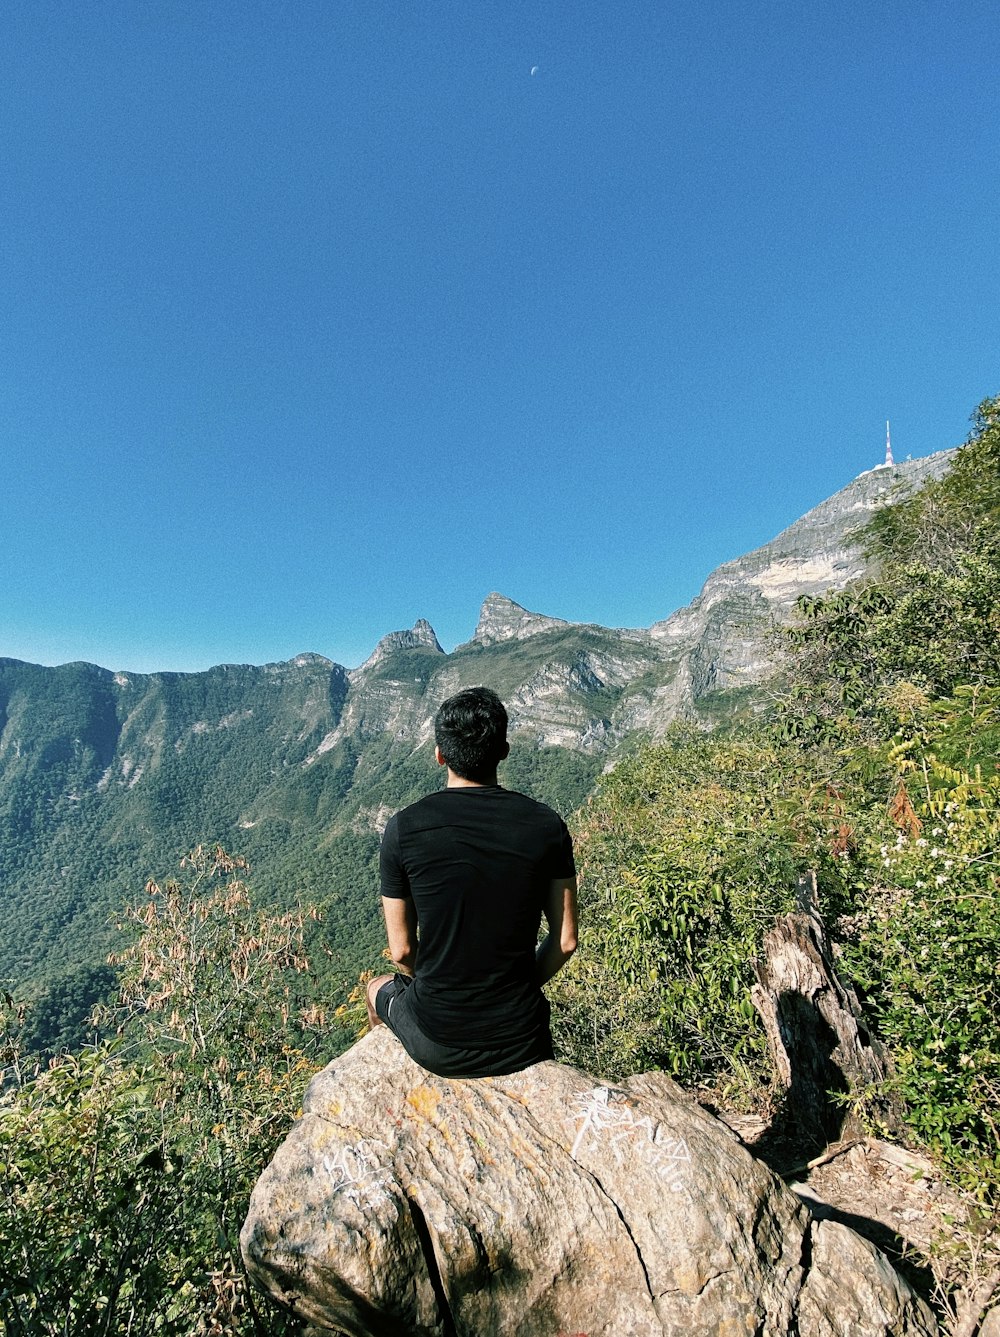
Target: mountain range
[[107, 778]]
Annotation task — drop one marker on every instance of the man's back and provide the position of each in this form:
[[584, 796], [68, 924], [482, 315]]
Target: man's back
[[477, 862], [467, 874]]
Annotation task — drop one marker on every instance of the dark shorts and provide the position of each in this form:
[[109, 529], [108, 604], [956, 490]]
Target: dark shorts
[[392, 1006]]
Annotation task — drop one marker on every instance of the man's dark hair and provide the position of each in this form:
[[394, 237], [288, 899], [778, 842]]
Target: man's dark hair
[[470, 728]]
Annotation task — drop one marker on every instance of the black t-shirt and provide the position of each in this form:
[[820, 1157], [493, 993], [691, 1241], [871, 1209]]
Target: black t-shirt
[[477, 862]]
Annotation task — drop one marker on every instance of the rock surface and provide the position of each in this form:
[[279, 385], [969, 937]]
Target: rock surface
[[990, 1326], [546, 1204], [724, 634], [420, 637], [501, 619]]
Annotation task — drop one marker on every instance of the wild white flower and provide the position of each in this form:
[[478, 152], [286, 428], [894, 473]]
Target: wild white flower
[[949, 863], [921, 842], [940, 880], [935, 852]]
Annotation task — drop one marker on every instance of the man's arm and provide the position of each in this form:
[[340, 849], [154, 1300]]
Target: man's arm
[[401, 930], [559, 943]]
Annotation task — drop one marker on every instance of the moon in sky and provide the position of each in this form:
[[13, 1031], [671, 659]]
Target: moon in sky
[[534, 69]]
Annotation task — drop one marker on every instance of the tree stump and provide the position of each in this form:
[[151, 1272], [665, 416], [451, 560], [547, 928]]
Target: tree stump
[[820, 1045]]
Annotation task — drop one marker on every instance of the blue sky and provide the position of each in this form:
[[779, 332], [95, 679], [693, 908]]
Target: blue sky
[[318, 317]]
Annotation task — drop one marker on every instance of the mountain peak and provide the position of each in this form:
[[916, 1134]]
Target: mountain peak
[[308, 659], [420, 637], [501, 619]]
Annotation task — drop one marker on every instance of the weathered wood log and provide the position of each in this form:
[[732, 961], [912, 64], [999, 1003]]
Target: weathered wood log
[[820, 1045], [970, 1305]]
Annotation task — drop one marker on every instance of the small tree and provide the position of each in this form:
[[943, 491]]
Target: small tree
[[131, 1165]]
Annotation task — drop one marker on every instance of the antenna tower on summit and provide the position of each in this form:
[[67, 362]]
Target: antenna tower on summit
[[888, 447]]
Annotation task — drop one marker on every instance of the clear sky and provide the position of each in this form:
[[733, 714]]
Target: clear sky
[[320, 316]]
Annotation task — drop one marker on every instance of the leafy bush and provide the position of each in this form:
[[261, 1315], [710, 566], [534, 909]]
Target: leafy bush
[[925, 945], [90, 1198], [687, 852], [131, 1164]]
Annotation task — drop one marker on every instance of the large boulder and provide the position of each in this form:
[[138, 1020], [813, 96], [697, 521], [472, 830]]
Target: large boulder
[[546, 1204]]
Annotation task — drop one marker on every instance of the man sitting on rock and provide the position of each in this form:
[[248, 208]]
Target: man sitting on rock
[[467, 874]]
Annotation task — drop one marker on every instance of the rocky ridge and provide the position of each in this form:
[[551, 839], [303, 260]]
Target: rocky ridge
[[589, 688], [421, 637], [501, 619], [724, 633]]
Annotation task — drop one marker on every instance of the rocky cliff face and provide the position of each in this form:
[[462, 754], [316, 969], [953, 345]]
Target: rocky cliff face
[[500, 619], [723, 635], [588, 687], [421, 637]]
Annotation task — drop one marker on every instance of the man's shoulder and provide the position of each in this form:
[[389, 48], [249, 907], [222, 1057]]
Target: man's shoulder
[[427, 803], [429, 807], [442, 804], [533, 805]]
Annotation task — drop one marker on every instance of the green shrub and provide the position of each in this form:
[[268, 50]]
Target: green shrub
[[130, 1165], [925, 947], [687, 852]]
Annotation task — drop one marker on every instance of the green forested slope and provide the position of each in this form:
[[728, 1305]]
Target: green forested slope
[[107, 779]]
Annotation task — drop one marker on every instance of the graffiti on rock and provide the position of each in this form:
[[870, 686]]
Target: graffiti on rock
[[610, 1115]]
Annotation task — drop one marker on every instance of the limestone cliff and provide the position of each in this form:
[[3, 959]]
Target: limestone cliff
[[501, 619], [724, 634], [421, 637], [588, 687]]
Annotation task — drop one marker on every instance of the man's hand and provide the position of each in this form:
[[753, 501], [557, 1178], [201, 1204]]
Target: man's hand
[[559, 943], [401, 930]]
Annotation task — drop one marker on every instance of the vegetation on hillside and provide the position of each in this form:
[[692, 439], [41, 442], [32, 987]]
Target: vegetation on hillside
[[128, 1166], [105, 780], [877, 768]]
